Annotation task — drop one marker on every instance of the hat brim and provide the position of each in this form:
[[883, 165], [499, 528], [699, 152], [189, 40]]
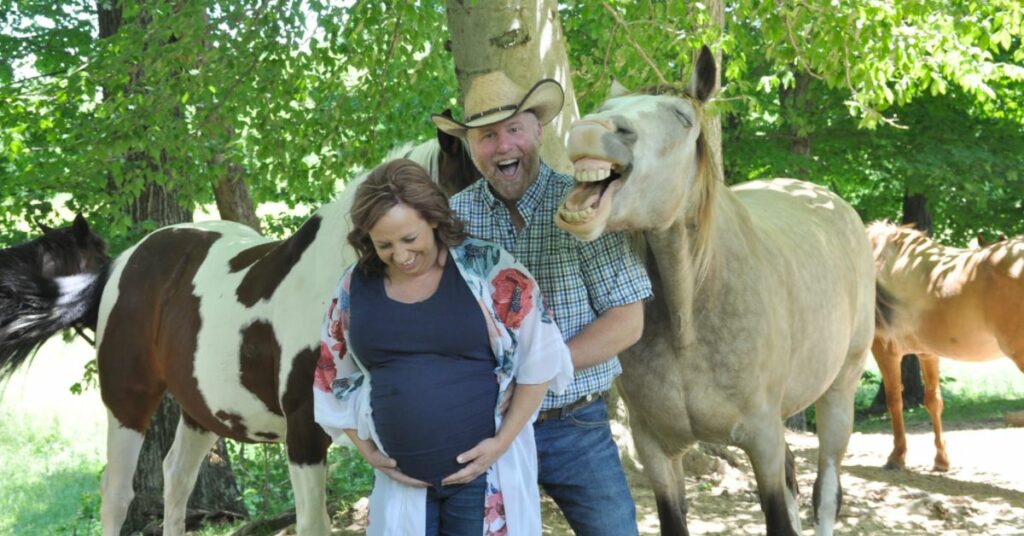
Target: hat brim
[[544, 99]]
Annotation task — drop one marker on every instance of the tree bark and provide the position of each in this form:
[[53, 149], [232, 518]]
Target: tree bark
[[233, 200], [526, 41]]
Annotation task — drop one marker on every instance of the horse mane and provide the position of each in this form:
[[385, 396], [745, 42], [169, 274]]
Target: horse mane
[[700, 211]]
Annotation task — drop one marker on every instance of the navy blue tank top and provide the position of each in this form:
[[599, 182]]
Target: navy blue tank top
[[433, 390]]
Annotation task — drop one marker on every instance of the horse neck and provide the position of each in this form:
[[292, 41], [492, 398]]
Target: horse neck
[[692, 254]]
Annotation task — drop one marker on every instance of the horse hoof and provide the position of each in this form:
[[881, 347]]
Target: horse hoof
[[894, 466], [941, 467]]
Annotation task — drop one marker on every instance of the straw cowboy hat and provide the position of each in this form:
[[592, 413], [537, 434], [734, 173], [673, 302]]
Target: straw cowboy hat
[[493, 98]]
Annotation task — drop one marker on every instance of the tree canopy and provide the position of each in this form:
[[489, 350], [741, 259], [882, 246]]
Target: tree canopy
[[871, 98]]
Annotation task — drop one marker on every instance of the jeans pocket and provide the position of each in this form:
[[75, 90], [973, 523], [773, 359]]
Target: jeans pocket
[[594, 415]]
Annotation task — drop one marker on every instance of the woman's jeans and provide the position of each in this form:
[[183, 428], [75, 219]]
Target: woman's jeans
[[456, 510]]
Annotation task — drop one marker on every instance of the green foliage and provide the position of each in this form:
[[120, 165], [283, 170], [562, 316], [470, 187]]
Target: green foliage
[[262, 474], [177, 95], [53, 488], [302, 95]]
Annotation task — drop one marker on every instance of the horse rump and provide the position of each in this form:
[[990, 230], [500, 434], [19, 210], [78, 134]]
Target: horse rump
[[33, 308]]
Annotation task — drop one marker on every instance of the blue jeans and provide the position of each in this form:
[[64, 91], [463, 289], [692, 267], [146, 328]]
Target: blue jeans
[[456, 510], [579, 467]]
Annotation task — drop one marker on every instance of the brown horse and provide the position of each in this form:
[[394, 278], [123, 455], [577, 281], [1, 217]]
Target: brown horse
[[764, 299], [964, 304], [226, 321]]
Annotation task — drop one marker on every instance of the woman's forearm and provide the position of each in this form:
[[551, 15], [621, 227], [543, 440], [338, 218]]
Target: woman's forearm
[[525, 401]]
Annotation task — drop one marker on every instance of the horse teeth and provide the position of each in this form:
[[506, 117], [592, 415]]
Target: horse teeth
[[592, 175]]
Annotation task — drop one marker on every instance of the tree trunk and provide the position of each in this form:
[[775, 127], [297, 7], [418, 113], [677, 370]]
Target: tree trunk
[[915, 211], [233, 201], [524, 39], [216, 490]]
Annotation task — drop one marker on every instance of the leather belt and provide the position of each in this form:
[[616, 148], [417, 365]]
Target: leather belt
[[564, 411]]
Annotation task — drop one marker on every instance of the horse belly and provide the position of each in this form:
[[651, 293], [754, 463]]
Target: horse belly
[[955, 332]]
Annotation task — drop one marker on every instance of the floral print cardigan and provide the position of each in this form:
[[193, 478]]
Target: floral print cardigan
[[527, 346]]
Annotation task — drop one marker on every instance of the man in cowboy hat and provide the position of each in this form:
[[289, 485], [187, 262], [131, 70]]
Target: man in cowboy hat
[[596, 290]]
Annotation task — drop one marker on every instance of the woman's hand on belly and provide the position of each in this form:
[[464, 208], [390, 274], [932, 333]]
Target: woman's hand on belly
[[477, 460], [380, 461]]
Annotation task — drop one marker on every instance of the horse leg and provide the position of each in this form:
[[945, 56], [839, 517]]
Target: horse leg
[[666, 478], [888, 359], [933, 403], [834, 413], [181, 468], [766, 448], [123, 447], [307, 449]]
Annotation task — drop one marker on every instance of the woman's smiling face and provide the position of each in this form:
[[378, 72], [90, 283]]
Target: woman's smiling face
[[405, 242]]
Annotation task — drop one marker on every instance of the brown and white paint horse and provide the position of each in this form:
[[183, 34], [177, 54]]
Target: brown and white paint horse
[[764, 299], [227, 321], [964, 304]]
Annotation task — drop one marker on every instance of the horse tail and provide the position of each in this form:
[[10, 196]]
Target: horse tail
[[885, 309], [33, 308]]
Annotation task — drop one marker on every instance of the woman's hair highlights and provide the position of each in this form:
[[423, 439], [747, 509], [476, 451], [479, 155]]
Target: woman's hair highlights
[[406, 182]]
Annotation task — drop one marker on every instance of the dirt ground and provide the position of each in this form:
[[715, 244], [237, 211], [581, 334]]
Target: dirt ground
[[982, 494]]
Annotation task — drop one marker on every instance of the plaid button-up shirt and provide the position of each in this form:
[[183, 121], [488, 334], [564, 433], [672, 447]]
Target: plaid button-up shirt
[[580, 280]]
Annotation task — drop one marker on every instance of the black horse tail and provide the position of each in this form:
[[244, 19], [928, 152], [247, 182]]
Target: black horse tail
[[33, 308], [885, 309]]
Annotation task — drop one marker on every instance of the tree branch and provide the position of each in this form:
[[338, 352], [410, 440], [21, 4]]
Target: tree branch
[[629, 37]]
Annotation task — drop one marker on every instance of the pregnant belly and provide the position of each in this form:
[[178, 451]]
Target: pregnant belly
[[425, 418]]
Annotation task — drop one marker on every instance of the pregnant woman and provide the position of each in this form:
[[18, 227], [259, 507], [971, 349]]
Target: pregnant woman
[[424, 335]]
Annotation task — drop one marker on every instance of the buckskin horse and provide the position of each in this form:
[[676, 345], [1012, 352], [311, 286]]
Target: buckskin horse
[[964, 304], [227, 321], [764, 298]]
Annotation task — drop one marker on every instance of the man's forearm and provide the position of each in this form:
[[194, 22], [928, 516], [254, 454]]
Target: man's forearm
[[612, 332]]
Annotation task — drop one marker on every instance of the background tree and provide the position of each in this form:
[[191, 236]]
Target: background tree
[[526, 41]]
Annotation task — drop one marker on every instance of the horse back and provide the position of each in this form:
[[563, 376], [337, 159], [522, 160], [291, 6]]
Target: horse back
[[817, 277]]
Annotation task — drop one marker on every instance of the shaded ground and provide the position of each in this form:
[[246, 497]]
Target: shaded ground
[[982, 494]]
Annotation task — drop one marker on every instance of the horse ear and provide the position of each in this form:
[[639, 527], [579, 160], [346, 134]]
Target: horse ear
[[43, 227], [449, 144], [617, 89], [80, 227], [702, 84]]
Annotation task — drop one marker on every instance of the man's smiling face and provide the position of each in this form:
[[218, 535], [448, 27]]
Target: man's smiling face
[[508, 154]]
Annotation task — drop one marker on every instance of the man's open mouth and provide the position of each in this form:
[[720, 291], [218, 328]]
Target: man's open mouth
[[508, 167]]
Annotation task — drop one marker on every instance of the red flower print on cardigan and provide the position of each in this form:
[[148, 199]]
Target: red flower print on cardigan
[[494, 515], [325, 369], [513, 296]]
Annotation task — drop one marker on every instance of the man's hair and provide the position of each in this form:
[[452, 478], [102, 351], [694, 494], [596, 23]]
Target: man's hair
[[406, 182]]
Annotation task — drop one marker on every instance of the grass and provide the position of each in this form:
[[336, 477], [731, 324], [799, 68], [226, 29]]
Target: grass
[[972, 393], [49, 482]]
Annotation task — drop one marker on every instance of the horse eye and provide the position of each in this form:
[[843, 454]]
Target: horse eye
[[683, 117]]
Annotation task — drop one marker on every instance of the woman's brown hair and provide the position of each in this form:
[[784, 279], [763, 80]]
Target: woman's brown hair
[[406, 182]]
